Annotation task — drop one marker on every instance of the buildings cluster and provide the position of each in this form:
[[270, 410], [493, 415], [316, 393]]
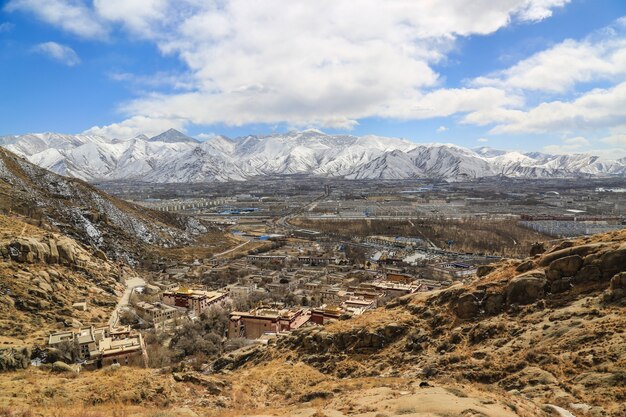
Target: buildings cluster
[[96, 347]]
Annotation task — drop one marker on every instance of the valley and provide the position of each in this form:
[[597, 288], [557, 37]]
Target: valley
[[293, 296]]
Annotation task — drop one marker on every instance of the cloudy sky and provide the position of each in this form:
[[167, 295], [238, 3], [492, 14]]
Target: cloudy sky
[[516, 74]]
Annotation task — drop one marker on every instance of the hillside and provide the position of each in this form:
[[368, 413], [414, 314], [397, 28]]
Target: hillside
[[539, 337], [70, 206], [42, 274], [173, 157]]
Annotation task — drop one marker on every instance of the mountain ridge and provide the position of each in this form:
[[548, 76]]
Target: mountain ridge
[[175, 157]]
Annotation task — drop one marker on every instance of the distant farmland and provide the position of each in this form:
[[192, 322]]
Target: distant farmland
[[498, 237]]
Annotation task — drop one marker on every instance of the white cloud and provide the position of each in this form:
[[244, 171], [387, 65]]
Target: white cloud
[[61, 53], [619, 139], [136, 125], [482, 140], [74, 16], [141, 17], [321, 63], [441, 129], [569, 145], [598, 108], [159, 79], [601, 56]]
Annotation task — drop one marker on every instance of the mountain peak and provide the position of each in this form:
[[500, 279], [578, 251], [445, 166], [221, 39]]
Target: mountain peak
[[172, 136]]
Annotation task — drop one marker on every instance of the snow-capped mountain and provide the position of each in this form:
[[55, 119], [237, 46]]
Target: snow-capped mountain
[[175, 157]]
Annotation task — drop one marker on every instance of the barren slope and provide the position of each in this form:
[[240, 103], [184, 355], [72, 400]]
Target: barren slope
[[122, 230]]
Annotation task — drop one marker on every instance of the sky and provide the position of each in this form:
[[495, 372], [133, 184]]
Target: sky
[[529, 75]]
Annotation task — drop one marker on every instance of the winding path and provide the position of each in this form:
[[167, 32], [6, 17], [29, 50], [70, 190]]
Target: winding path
[[131, 284]]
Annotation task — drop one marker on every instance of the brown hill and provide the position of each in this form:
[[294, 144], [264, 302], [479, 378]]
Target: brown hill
[[122, 230]]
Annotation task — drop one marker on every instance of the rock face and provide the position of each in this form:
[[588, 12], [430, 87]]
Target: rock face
[[526, 288], [318, 341]]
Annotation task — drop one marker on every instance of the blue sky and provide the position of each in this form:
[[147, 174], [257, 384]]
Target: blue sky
[[517, 74]]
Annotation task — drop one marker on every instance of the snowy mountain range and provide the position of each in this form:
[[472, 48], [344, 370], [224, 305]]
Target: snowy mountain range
[[173, 157]]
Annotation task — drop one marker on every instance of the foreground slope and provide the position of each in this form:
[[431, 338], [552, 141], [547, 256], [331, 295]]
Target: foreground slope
[[539, 337], [551, 329]]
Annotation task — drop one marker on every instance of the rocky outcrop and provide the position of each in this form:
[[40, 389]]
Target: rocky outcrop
[[613, 262], [213, 386], [526, 288], [237, 358], [12, 359], [62, 367], [467, 306], [567, 266], [617, 287], [318, 341], [47, 249], [484, 270], [581, 250]]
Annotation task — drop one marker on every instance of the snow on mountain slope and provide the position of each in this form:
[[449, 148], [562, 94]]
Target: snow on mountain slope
[[175, 157]]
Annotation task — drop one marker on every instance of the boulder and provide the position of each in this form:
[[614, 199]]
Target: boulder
[[12, 359], [59, 366], [66, 251], [567, 266], [526, 288], [560, 285], [618, 281], [537, 248], [613, 262], [581, 250], [617, 288], [525, 266], [467, 306], [483, 270], [588, 273], [54, 252], [494, 303]]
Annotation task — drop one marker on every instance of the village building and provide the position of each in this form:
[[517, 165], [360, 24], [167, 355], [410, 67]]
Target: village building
[[196, 301], [99, 346], [326, 314], [452, 271], [158, 312], [260, 321], [357, 306], [241, 291]]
